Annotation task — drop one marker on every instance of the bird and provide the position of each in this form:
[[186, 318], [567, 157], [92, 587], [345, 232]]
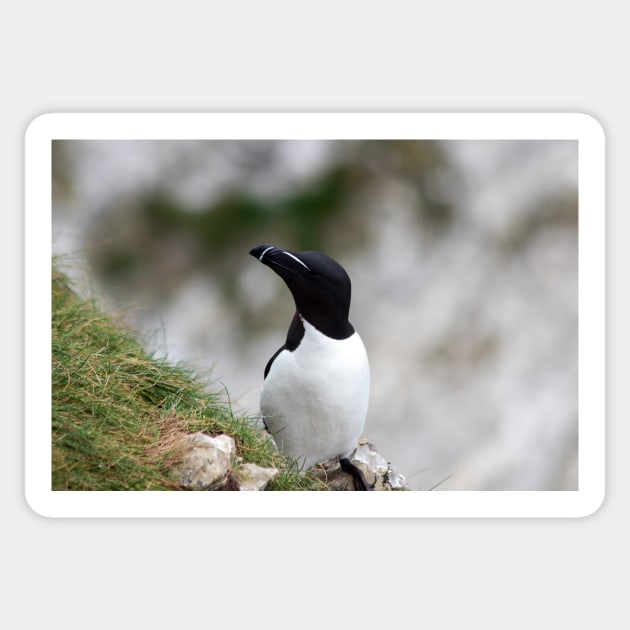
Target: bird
[[315, 392]]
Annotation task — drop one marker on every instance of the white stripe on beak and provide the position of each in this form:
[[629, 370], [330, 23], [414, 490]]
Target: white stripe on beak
[[294, 258], [264, 252]]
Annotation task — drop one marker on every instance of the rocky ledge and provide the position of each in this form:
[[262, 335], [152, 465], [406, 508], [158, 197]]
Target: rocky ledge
[[208, 462], [378, 472]]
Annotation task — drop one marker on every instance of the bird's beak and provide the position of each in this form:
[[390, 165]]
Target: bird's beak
[[260, 251], [279, 259]]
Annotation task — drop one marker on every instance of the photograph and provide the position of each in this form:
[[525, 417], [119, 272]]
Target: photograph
[[313, 311]]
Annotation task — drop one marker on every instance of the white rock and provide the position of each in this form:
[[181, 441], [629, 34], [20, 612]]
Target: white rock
[[205, 461], [253, 477]]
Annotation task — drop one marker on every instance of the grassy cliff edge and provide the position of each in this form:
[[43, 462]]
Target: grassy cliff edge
[[118, 412]]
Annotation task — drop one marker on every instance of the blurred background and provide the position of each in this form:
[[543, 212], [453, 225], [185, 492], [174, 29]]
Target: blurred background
[[462, 255]]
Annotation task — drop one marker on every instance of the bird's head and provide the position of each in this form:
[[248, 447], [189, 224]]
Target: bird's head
[[320, 286]]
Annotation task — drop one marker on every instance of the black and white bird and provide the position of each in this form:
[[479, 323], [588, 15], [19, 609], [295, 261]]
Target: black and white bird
[[314, 398]]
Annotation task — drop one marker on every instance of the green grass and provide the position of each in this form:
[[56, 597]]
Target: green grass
[[118, 412]]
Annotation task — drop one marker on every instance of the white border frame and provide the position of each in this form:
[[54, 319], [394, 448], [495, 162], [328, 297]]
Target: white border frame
[[592, 293]]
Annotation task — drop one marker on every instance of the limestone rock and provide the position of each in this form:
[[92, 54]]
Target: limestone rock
[[253, 477], [377, 471], [207, 462], [204, 461]]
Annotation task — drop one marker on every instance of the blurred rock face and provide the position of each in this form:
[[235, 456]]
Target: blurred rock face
[[463, 258]]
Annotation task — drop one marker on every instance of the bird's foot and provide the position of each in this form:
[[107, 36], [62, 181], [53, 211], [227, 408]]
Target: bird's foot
[[357, 475]]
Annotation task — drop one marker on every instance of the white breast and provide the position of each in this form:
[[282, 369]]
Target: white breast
[[315, 399]]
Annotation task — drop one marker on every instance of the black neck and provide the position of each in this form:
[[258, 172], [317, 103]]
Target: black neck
[[336, 328]]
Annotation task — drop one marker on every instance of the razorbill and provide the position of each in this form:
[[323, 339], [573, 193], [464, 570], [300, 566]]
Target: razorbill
[[314, 397]]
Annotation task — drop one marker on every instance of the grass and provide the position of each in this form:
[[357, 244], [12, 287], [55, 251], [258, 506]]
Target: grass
[[117, 413]]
